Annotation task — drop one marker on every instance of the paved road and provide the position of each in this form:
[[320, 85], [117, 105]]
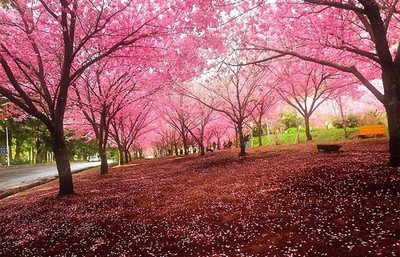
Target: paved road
[[19, 175]]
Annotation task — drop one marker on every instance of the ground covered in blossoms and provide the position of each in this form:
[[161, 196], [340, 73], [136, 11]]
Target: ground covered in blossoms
[[277, 201]]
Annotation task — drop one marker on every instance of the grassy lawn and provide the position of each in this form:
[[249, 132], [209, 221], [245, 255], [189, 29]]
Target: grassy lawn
[[288, 200], [318, 134]]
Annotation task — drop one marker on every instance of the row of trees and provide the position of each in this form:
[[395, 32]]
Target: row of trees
[[94, 65], [50, 47], [358, 39], [243, 96], [30, 142]]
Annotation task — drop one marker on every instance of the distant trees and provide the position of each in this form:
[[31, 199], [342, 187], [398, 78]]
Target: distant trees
[[305, 87], [30, 141], [100, 94], [202, 115], [42, 55], [235, 96], [264, 106], [356, 38], [219, 129], [167, 142], [178, 114], [47, 45], [130, 124]]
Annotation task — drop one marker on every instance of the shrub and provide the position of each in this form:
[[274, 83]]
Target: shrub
[[372, 117], [352, 121], [294, 130], [291, 120]]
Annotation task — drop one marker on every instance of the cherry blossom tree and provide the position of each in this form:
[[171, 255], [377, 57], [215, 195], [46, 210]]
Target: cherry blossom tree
[[343, 100], [167, 141], [359, 38], [177, 113], [129, 125], [267, 100], [341, 103], [305, 87], [100, 94], [218, 129], [47, 45], [234, 96], [201, 117]]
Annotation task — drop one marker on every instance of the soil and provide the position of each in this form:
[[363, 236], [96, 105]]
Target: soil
[[275, 201]]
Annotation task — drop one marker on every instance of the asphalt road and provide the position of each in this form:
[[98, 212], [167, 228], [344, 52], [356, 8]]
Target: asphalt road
[[19, 175]]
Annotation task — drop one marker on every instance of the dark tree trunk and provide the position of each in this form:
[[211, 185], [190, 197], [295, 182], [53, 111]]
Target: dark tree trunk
[[62, 162], [185, 147], [259, 127], [241, 140], [38, 156], [130, 156], [346, 134], [391, 84], [18, 144], [237, 138], [120, 156], [103, 159], [126, 155], [307, 125], [393, 115], [33, 156], [202, 148]]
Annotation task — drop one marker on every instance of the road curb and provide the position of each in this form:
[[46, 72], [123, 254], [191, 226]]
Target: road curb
[[17, 189]]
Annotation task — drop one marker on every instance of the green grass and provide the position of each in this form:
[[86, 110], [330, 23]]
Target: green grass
[[319, 135]]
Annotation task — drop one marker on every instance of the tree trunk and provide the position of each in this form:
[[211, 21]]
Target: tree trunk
[[202, 148], [346, 134], [126, 156], [342, 116], [62, 162], [241, 140], [103, 159], [185, 147], [307, 125], [259, 127], [38, 156], [18, 144], [393, 115], [237, 138], [297, 134], [33, 156], [120, 156], [276, 137]]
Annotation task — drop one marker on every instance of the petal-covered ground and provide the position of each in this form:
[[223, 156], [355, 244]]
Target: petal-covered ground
[[277, 201]]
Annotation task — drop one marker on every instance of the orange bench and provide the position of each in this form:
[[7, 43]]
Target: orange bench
[[371, 131]]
